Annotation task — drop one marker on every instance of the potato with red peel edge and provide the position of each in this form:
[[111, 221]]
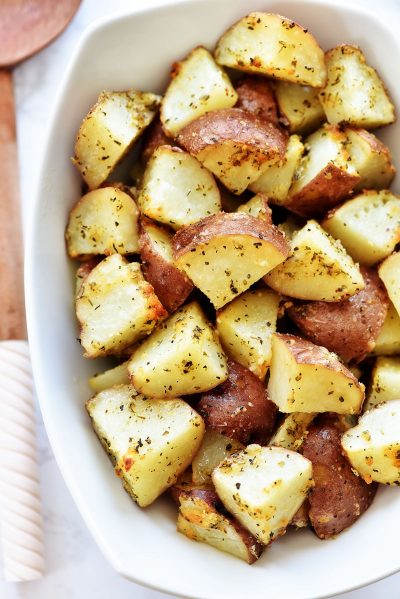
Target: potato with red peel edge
[[257, 96]]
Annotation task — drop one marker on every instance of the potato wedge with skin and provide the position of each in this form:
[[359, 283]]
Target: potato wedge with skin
[[213, 449], [170, 284], [153, 138], [115, 307], [109, 130], [104, 221], [224, 254], [373, 446], [258, 207], [277, 179], [388, 341], [354, 93], [150, 442], [368, 225], [299, 107], [110, 378], [324, 176], [257, 96], [176, 189], [235, 145], [203, 518], [389, 272], [198, 85], [385, 382], [263, 487], [339, 496], [292, 431], [318, 269], [269, 44], [239, 408], [371, 159], [245, 326], [308, 378], [183, 356], [350, 327]]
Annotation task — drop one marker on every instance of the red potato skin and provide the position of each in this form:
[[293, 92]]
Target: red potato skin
[[256, 96], [339, 496], [350, 327], [240, 407], [153, 138]]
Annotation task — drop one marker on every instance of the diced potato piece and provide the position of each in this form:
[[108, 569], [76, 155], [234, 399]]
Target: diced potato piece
[[104, 221], [198, 85], [235, 145], [257, 96], [368, 225], [389, 272], [373, 446], [177, 190], [388, 341], [272, 45], [109, 130], [181, 357], [291, 432], [324, 176], [150, 442], [224, 254], [371, 159], [276, 180], [354, 92], [263, 487], [318, 269], [200, 518], [308, 378], [214, 448], [245, 327], [258, 207], [385, 382], [116, 307], [299, 106], [110, 378]]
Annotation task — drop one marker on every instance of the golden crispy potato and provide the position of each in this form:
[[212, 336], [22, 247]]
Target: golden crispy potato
[[240, 407], [214, 448], [388, 341], [109, 130], [149, 442], [292, 430], [308, 378], [257, 96], [371, 159], [389, 272], [235, 145], [385, 382], [339, 496], [350, 327], [299, 106], [170, 284], [153, 138], [354, 93], [198, 85], [258, 207], [224, 254], [110, 378], [286, 51]]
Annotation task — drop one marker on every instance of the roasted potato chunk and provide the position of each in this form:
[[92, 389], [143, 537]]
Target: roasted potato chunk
[[385, 382], [110, 378], [235, 145], [354, 93], [292, 431], [388, 341], [371, 159], [350, 327], [299, 106], [149, 442], [389, 272], [257, 96], [240, 407], [214, 448], [258, 207], [287, 52], [339, 496], [308, 378], [110, 129]]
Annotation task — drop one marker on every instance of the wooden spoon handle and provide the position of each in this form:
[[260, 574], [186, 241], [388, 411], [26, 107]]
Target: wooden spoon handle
[[12, 309]]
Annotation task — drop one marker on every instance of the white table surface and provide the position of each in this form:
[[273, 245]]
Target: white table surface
[[75, 567]]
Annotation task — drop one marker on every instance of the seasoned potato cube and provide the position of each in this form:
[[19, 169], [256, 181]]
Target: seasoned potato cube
[[291, 432], [318, 269], [214, 448], [324, 176], [256, 95], [104, 221], [150, 442], [285, 51], [116, 307], [308, 378], [176, 189], [276, 180], [181, 357], [263, 487], [389, 272], [198, 85], [388, 341], [109, 130], [110, 378], [368, 225], [354, 92], [226, 253], [245, 327], [373, 446], [258, 207], [299, 106], [371, 159], [202, 518], [385, 382], [235, 145]]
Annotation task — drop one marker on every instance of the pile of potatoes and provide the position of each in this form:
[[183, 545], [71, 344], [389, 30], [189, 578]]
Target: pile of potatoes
[[245, 281]]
